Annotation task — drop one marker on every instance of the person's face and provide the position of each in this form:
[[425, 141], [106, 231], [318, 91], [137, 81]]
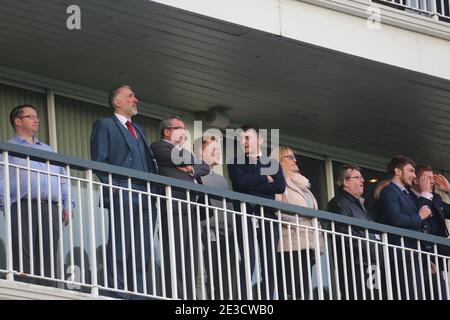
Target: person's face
[[354, 183], [250, 142], [406, 175], [176, 133], [211, 153], [289, 163], [428, 176], [126, 103], [28, 121]]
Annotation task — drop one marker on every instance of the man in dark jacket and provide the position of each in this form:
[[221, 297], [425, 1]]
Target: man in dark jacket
[[177, 162], [396, 208], [367, 265], [259, 176], [434, 224]]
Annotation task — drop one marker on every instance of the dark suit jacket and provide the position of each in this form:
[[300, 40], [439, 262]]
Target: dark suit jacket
[[247, 178], [398, 209], [435, 224], [348, 205], [112, 143], [163, 155]]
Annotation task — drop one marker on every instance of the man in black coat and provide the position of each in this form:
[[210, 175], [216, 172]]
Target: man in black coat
[[434, 224], [349, 202], [177, 162], [260, 176]]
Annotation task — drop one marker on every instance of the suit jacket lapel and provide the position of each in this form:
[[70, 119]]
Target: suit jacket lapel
[[126, 135]]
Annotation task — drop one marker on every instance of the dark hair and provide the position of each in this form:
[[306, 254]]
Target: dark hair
[[421, 168], [18, 112], [398, 162], [249, 126], [114, 92], [166, 123], [342, 173]]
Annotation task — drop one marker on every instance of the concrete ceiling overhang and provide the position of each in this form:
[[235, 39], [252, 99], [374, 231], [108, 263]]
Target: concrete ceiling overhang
[[191, 62]]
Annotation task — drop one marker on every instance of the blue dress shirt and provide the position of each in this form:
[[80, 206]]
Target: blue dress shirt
[[43, 176]]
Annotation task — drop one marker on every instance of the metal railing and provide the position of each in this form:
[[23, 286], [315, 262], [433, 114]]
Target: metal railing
[[433, 8], [139, 235]]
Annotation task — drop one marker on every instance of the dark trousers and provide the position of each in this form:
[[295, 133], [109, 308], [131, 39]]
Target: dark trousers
[[267, 270], [299, 272], [183, 243], [38, 251], [123, 244], [229, 288], [410, 280], [437, 279]]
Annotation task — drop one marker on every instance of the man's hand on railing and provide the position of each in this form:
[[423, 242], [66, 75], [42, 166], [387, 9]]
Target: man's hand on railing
[[67, 215]]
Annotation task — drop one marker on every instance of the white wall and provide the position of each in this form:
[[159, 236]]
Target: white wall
[[405, 39]]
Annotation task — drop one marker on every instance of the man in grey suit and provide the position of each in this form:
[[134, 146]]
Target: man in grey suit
[[116, 140], [177, 162]]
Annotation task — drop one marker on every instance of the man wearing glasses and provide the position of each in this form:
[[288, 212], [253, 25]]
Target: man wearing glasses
[[31, 189], [177, 162], [349, 202]]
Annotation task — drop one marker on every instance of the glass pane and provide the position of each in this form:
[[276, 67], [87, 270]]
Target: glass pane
[[314, 170]]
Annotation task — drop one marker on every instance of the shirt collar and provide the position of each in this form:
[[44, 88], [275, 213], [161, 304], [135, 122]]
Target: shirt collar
[[175, 145], [353, 198], [20, 140], [122, 119], [402, 188], [415, 192]]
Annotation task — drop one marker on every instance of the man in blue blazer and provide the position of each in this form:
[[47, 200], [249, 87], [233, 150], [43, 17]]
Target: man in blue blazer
[[396, 208], [251, 175], [116, 140]]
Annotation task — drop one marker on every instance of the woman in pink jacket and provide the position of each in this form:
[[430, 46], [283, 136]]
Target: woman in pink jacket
[[297, 235]]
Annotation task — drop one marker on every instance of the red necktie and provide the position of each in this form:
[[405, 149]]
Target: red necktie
[[131, 129]]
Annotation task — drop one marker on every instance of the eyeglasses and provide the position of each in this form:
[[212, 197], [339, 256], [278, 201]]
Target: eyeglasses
[[355, 177], [30, 116], [290, 157], [176, 128]]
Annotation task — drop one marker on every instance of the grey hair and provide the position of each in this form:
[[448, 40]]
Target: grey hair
[[166, 123]]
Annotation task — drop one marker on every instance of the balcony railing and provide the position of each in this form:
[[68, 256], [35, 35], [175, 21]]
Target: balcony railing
[[189, 241], [433, 8]]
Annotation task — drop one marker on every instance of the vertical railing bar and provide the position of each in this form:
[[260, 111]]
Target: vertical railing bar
[[318, 260], [142, 241], [91, 223], [336, 269], [151, 237], [50, 220], [81, 228], [132, 238], [245, 243], [283, 268], [7, 211]]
